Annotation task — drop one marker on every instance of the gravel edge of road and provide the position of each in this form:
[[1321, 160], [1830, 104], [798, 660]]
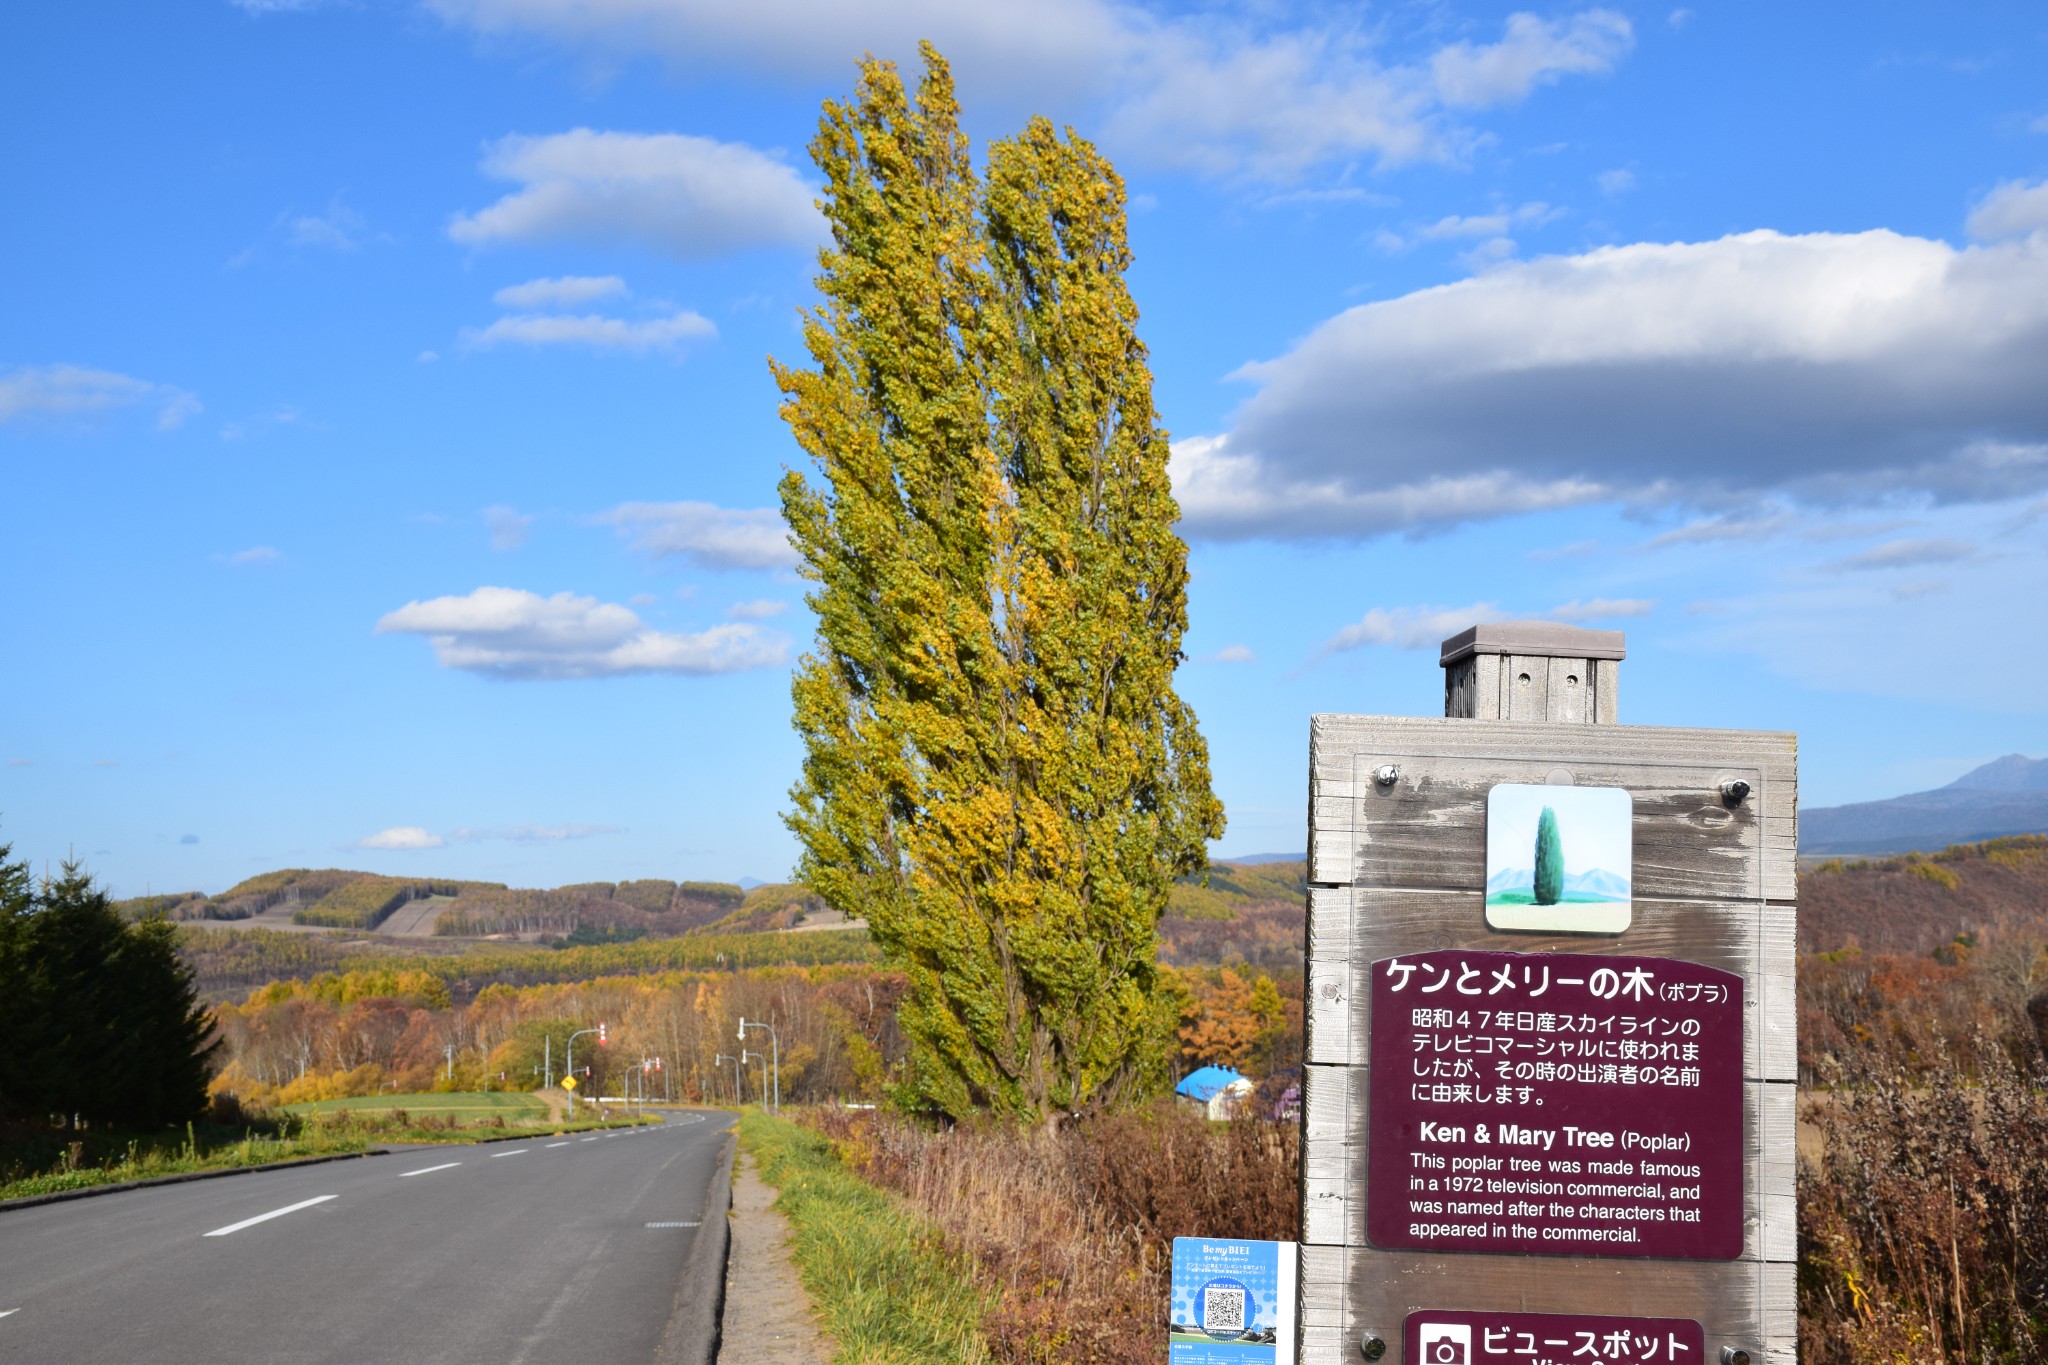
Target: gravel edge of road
[[29, 1201], [692, 1334]]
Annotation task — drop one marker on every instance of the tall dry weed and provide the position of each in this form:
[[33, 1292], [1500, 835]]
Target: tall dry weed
[[1924, 1222], [1074, 1228]]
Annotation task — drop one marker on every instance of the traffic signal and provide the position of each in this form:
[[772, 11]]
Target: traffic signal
[[601, 1035]]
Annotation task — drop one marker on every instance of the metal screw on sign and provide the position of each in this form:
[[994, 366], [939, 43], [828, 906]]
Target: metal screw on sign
[[1386, 774], [1733, 790], [1734, 1355], [1374, 1345]]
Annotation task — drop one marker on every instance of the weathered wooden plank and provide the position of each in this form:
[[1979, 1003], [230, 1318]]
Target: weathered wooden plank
[[1777, 1174], [1321, 1328], [1744, 1304], [1426, 830], [1350, 928], [1335, 1106]]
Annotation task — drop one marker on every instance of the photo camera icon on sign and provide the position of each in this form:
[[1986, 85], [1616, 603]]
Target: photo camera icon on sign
[[1445, 1343]]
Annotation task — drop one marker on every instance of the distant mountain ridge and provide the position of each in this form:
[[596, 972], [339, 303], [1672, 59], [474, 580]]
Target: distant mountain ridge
[[1596, 881], [2003, 797]]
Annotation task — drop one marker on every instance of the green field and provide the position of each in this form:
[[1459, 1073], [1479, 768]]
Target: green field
[[462, 1106]]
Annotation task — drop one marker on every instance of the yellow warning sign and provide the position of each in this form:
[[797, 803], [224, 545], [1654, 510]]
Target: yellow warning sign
[[568, 1082]]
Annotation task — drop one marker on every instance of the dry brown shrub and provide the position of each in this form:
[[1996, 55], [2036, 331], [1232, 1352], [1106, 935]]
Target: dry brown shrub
[[1924, 1224], [1074, 1228]]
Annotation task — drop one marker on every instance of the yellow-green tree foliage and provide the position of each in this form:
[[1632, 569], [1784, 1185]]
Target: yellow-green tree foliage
[[998, 774]]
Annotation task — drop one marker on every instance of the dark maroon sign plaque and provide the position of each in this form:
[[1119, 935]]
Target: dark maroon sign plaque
[[1459, 1338], [1556, 1103]]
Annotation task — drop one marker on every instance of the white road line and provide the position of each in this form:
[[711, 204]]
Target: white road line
[[266, 1217], [8, 1312], [428, 1170], [514, 1152], [590, 1139], [558, 1144]]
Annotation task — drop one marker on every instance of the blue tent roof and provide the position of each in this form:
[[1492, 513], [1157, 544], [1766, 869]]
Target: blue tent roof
[[1203, 1084]]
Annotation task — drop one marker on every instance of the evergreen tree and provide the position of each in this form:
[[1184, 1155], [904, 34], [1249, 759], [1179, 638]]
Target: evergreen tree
[[103, 1021], [998, 774], [1549, 860]]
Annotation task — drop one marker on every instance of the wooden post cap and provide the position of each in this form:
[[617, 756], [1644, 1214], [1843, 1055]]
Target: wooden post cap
[[1537, 639]]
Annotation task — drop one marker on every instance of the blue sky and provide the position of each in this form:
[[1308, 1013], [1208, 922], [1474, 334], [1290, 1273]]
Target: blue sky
[[387, 434]]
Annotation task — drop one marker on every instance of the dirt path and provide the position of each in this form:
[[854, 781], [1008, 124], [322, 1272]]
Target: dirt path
[[415, 919], [768, 1316]]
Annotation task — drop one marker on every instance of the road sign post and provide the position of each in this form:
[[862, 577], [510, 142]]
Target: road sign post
[[1551, 1063]]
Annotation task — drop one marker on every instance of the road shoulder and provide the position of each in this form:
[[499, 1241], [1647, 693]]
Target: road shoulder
[[768, 1317]]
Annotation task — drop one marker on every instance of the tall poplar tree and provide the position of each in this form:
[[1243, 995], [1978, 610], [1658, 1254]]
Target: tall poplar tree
[[998, 774], [1549, 887]]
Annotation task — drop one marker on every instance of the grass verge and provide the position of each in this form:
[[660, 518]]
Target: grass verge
[[885, 1288], [149, 1156]]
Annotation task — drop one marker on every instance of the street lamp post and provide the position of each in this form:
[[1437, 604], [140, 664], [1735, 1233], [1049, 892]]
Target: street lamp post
[[569, 1069], [746, 1056], [775, 1055], [737, 1097]]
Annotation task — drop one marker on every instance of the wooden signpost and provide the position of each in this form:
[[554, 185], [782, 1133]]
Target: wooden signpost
[[1549, 1094]]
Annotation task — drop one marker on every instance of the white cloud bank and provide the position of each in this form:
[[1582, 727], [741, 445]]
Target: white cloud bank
[[2014, 209], [1827, 368], [72, 390], [707, 535], [402, 837], [1427, 627], [512, 634], [1222, 91], [592, 330], [406, 837], [559, 292], [688, 197]]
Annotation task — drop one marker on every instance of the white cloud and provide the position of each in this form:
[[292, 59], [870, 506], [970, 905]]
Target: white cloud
[[1221, 101], [1602, 609], [560, 291], [1723, 527], [707, 535], [66, 390], [2014, 209], [1221, 93], [1025, 47], [341, 228], [760, 610], [1411, 627], [689, 197], [1903, 554], [1428, 627], [532, 834], [512, 634], [1533, 52], [602, 333], [508, 526], [402, 837], [254, 556], [1234, 654], [1488, 224], [1618, 181], [428, 357], [1828, 369]]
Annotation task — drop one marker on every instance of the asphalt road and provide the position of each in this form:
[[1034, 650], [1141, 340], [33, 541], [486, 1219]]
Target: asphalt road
[[528, 1251]]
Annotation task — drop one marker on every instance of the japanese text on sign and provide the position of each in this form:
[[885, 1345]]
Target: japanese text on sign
[[1460, 1338], [1561, 1103]]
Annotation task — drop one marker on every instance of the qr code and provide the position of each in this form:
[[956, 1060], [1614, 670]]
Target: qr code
[[1222, 1309]]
